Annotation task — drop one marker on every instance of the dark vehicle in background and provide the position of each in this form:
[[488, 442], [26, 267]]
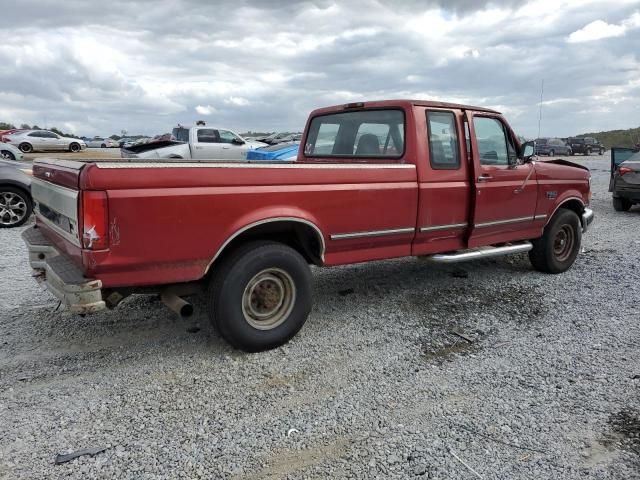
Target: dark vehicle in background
[[16, 204], [585, 145], [625, 178], [551, 147]]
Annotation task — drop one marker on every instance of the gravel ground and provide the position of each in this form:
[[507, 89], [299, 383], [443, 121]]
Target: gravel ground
[[376, 385]]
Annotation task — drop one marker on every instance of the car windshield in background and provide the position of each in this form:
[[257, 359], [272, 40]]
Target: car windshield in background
[[367, 133]]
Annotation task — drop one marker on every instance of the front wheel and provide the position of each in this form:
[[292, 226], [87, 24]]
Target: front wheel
[[601, 152], [588, 152], [558, 247], [7, 155], [15, 207], [74, 147], [552, 153], [621, 204], [260, 295]]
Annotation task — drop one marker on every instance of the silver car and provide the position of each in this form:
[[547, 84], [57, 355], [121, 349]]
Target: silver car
[[99, 142], [31, 140], [9, 152]]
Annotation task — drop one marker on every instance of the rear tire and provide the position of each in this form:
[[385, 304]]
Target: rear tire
[[25, 147], [557, 249], [588, 152], [552, 153], [260, 295], [621, 204], [74, 147]]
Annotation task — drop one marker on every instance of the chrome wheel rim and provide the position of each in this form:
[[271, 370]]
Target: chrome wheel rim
[[7, 155], [268, 299], [563, 243], [13, 208]]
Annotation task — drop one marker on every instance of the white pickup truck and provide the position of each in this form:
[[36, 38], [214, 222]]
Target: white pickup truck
[[200, 142]]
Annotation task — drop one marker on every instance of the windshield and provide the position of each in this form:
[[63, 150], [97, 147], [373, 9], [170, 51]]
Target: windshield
[[181, 134]]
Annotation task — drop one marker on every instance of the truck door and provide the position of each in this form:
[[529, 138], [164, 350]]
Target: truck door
[[206, 144], [506, 192], [233, 147]]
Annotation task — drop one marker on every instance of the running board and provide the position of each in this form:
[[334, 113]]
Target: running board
[[483, 252]]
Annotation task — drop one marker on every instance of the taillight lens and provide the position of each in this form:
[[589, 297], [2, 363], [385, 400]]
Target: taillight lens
[[623, 170], [95, 220]]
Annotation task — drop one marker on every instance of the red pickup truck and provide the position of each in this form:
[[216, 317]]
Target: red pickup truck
[[372, 181]]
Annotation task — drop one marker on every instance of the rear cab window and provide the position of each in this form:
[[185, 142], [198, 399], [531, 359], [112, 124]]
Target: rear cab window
[[372, 134]]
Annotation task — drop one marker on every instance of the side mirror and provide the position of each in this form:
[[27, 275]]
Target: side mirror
[[527, 150], [237, 141]]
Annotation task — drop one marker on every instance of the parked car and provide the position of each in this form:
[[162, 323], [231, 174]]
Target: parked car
[[585, 145], [286, 152], [625, 178], [5, 133], [16, 204], [9, 152], [100, 142], [30, 140], [201, 142], [127, 142], [551, 147], [275, 138], [247, 232]]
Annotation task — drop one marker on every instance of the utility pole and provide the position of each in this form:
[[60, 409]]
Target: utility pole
[[540, 114]]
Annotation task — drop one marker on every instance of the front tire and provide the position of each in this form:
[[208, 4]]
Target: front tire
[[588, 152], [74, 147], [260, 295], [601, 152], [552, 153], [103, 146], [621, 204], [25, 147], [557, 249], [15, 207], [7, 155]]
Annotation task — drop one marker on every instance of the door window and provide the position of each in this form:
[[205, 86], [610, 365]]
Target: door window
[[492, 141], [208, 135], [227, 137], [444, 153]]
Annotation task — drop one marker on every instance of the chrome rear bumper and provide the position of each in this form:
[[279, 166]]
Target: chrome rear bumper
[[587, 219], [61, 276]]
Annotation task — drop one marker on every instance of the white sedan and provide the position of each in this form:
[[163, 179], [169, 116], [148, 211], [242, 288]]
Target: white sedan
[[30, 140], [99, 142]]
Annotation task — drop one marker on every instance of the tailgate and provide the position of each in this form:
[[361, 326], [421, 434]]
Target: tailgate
[[55, 193]]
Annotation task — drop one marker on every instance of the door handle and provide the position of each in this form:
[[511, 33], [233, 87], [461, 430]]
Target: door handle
[[225, 148], [484, 177], [199, 148]]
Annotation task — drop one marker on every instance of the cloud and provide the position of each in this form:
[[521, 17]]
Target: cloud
[[600, 29], [205, 110], [260, 65]]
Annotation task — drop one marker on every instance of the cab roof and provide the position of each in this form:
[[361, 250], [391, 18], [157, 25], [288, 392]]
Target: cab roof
[[403, 103]]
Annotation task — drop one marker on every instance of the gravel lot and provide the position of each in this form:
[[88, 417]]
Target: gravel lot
[[376, 385]]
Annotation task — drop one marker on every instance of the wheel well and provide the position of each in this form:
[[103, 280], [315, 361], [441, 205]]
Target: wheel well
[[574, 205], [18, 187], [300, 236]]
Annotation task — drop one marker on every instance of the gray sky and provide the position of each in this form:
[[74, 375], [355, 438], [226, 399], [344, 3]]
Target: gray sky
[[95, 68]]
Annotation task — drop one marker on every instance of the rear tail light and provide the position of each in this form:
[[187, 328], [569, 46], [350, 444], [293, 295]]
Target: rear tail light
[[95, 220], [623, 170]]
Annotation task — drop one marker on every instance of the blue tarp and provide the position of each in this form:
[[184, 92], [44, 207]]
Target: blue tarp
[[281, 151]]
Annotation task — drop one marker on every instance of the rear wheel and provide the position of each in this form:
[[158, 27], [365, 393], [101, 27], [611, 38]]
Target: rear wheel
[[15, 207], [552, 153], [601, 152], [260, 295], [588, 152], [25, 147], [621, 204], [557, 249]]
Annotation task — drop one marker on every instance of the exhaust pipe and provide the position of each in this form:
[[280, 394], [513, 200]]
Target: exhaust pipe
[[176, 304]]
